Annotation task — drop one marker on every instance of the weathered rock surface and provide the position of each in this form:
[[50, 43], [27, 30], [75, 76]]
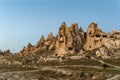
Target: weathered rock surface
[[78, 54], [103, 52], [68, 41], [71, 39], [94, 37]]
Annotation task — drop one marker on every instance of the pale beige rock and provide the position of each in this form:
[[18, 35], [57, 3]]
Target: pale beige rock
[[61, 51], [95, 37], [71, 39], [50, 36], [90, 37], [103, 52], [40, 42]]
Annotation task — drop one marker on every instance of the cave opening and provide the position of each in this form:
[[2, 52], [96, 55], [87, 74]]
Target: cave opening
[[89, 46], [104, 36], [70, 48]]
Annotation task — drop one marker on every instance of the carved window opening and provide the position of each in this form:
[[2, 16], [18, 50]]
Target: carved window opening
[[89, 46], [90, 33], [60, 29], [61, 35], [70, 48], [104, 36], [98, 35], [61, 41], [83, 49], [56, 54]]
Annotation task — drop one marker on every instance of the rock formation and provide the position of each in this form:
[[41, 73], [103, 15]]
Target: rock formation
[[40, 42], [5, 53], [69, 39], [72, 39], [94, 37], [1, 52]]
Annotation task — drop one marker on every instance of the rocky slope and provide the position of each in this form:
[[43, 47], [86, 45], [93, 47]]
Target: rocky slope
[[70, 55], [72, 39]]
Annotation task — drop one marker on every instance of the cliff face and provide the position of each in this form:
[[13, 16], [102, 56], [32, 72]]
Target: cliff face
[[71, 39], [95, 37]]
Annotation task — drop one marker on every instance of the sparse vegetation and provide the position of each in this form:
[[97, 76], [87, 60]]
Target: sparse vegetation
[[78, 69], [71, 55]]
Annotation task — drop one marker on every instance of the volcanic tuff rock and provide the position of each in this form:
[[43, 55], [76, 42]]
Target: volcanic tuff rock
[[71, 39], [5, 53]]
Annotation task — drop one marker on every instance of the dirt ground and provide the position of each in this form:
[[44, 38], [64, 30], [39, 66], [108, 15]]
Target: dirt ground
[[75, 69]]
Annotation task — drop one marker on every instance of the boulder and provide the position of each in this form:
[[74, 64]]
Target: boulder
[[103, 53]]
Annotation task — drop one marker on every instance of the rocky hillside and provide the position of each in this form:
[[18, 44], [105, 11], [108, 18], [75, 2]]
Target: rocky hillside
[[70, 55], [72, 39]]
